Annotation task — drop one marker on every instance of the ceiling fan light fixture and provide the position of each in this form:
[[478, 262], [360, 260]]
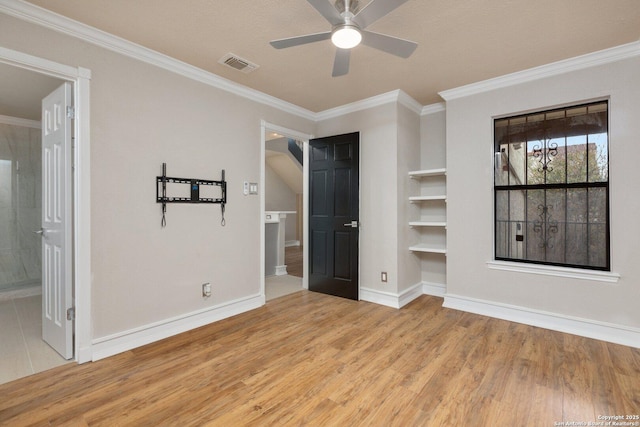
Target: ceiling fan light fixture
[[346, 36]]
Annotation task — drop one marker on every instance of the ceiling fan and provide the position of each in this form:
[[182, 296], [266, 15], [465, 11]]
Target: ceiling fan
[[349, 23]]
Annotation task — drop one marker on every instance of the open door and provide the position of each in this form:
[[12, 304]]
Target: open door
[[57, 297], [333, 215]]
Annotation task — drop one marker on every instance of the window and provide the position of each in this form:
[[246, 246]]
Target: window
[[552, 187]]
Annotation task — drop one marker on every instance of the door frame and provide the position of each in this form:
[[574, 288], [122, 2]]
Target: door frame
[[81, 204], [270, 127]]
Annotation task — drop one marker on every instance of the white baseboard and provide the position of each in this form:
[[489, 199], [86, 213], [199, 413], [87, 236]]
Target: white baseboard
[[378, 297], [289, 243], [137, 337], [618, 334], [410, 294], [83, 355], [281, 270], [434, 289], [391, 299]]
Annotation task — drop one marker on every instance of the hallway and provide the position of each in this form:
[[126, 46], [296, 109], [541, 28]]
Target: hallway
[[22, 350]]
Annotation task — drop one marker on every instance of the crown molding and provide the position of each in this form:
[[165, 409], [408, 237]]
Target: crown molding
[[397, 95], [17, 121], [589, 60], [433, 108], [406, 100], [37, 15], [53, 21], [353, 107]]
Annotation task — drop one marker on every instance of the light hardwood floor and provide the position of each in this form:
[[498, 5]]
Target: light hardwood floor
[[293, 256], [311, 359]]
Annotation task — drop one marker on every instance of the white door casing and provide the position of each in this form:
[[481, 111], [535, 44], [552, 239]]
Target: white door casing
[[57, 293]]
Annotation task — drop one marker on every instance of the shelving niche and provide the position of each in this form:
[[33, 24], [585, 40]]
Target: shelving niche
[[432, 223]]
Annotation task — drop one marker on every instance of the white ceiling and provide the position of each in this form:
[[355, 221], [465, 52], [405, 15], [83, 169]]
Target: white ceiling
[[459, 41]]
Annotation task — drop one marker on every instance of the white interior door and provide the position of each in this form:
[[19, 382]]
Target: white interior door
[[57, 295]]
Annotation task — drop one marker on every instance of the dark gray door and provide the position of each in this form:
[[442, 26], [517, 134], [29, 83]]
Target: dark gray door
[[333, 215]]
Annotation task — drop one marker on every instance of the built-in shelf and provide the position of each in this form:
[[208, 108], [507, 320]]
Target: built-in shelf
[[428, 223], [413, 199], [428, 172], [440, 189], [428, 249]]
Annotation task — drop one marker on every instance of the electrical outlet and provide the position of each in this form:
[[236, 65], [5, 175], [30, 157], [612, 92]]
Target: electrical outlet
[[383, 276], [206, 290]]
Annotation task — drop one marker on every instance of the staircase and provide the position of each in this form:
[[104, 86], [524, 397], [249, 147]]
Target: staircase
[[295, 148]]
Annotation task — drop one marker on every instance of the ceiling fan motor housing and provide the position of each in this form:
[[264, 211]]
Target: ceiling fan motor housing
[[349, 23], [354, 6]]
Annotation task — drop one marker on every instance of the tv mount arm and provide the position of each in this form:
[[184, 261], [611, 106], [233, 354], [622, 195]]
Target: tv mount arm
[[161, 192]]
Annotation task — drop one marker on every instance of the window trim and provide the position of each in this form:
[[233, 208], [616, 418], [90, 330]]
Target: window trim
[[553, 270], [545, 267]]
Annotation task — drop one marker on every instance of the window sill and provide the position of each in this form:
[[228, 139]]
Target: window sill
[[548, 270]]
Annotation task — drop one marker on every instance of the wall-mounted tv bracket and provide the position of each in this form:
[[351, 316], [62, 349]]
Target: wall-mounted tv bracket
[[161, 192]]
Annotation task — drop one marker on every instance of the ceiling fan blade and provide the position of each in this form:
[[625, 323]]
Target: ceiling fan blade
[[375, 10], [326, 9], [341, 63], [393, 45], [299, 40]]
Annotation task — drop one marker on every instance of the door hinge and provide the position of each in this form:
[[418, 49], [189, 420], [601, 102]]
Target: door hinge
[[71, 112], [71, 313]]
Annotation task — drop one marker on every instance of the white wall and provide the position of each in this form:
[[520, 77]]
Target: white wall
[[433, 153], [409, 263], [280, 197], [470, 197], [142, 116]]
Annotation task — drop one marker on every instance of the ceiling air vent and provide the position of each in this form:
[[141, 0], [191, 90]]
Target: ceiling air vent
[[240, 64]]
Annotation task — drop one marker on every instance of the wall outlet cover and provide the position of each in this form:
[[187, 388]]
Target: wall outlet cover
[[206, 290]]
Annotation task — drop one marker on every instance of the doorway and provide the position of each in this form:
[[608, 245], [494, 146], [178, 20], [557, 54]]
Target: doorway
[[20, 67], [283, 186], [334, 227], [26, 352]]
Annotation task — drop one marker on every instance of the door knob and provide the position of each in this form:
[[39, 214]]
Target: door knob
[[41, 232], [352, 224]]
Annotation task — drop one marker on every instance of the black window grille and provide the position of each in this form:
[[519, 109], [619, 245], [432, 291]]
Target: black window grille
[[551, 186]]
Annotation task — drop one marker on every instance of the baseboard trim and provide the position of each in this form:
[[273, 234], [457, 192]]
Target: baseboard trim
[[290, 243], [434, 289], [391, 299], [137, 337], [618, 334], [379, 297], [410, 294]]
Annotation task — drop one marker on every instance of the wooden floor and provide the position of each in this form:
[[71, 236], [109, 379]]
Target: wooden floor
[[311, 359], [293, 256]]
